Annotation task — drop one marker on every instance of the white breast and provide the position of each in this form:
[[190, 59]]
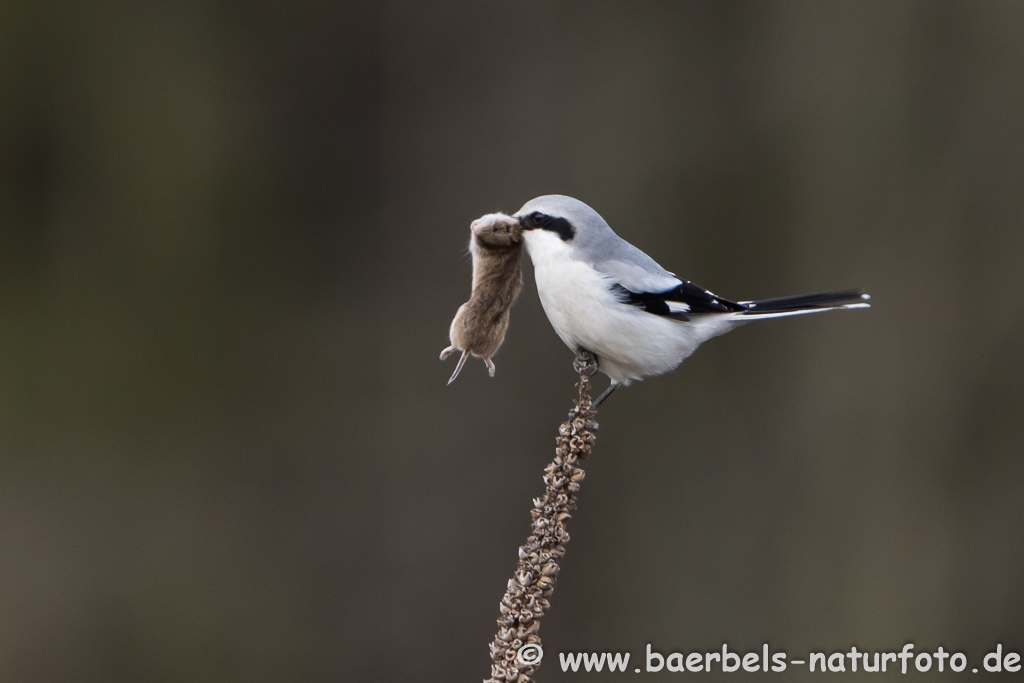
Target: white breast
[[630, 343]]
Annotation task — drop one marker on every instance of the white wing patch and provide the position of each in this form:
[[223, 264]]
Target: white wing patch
[[677, 306]]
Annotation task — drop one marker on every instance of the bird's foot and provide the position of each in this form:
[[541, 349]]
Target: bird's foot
[[585, 363]]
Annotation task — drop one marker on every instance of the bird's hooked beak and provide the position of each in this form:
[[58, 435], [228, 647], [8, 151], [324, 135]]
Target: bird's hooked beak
[[523, 225]]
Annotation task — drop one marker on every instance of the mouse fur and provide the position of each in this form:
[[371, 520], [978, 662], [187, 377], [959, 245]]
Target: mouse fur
[[480, 324]]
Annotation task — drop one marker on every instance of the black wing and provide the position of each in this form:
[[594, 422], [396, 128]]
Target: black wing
[[679, 302]]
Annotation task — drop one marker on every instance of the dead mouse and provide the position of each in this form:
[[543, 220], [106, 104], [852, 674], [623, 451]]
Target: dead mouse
[[480, 324]]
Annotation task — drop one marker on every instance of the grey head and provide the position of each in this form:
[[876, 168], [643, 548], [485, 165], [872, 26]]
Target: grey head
[[569, 218], [594, 242]]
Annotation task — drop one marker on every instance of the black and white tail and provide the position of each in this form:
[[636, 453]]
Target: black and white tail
[[805, 303]]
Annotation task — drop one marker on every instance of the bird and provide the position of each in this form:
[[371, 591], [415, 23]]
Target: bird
[[622, 313]]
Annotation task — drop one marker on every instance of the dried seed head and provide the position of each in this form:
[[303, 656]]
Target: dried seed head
[[525, 600]]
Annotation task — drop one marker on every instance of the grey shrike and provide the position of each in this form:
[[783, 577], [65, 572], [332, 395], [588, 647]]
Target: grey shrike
[[617, 308]]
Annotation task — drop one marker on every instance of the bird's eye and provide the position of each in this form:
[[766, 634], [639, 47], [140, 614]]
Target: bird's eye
[[537, 218]]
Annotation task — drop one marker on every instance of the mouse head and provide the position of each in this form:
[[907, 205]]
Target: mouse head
[[497, 231]]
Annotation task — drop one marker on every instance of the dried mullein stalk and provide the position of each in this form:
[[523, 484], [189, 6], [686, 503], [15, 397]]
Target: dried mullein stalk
[[516, 651]]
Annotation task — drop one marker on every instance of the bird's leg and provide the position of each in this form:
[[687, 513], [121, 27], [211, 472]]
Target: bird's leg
[[585, 362], [490, 365], [605, 394]]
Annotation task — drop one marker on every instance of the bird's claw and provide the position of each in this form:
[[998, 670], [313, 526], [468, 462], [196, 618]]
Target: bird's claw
[[591, 425], [585, 363]]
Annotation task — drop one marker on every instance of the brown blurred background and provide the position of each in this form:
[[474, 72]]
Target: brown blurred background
[[233, 234]]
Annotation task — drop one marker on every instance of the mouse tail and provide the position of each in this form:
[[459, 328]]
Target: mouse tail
[[458, 368]]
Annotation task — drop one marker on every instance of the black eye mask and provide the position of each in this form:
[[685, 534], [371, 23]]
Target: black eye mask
[[540, 221]]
